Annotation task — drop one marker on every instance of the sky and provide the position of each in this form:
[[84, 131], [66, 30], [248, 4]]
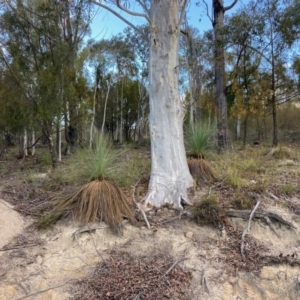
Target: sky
[[105, 24]]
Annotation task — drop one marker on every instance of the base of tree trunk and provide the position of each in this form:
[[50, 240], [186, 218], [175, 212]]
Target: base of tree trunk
[[162, 191]]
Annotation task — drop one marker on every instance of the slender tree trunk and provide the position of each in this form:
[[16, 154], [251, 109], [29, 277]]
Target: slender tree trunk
[[274, 117], [25, 143], [238, 128], [33, 141], [48, 134], [170, 176], [273, 99], [121, 113], [245, 130], [58, 141], [105, 105], [224, 140], [93, 116]]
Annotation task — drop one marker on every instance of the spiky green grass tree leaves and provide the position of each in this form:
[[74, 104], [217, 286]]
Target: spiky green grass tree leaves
[[99, 200], [198, 138]]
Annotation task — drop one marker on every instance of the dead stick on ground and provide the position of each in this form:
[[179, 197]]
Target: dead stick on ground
[[19, 247], [137, 205], [96, 246], [174, 265], [44, 290], [204, 283], [271, 226], [248, 228]]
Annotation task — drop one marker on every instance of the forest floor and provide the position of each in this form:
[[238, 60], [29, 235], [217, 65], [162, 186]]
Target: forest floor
[[182, 256]]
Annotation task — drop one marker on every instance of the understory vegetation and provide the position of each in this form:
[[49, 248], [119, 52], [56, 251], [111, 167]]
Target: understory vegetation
[[243, 176]]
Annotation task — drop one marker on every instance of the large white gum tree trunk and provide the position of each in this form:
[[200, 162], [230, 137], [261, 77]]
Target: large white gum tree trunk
[[170, 176]]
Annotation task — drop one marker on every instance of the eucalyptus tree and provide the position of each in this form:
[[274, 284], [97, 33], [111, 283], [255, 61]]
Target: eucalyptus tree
[[115, 64], [140, 48], [244, 32], [220, 79], [28, 54], [35, 50], [217, 20], [275, 58], [170, 177]]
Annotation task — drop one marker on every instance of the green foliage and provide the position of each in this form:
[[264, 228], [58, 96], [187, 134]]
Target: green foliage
[[128, 172], [282, 153], [234, 178], [198, 137], [288, 189], [241, 201], [95, 163]]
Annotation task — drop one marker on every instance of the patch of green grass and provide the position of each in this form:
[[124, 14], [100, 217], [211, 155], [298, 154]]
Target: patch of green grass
[[259, 186], [128, 171], [241, 201], [234, 178], [44, 158], [288, 189]]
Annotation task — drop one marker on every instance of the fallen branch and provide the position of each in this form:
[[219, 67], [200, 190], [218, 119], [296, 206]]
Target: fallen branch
[[174, 265], [182, 213], [204, 283], [19, 247], [88, 229], [248, 228], [271, 226], [272, 196], [244, 214], [138, 206]]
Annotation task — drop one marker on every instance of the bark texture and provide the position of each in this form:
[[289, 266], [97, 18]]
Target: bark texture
[[170, 176], [224, 140]]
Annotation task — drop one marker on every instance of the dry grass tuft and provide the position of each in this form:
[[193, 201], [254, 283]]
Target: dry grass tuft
[[207, 211], [98, 201], [201, 170]]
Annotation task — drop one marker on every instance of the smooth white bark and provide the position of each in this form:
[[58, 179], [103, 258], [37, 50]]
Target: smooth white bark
[[59, 143], [170, 176], [105, 105]]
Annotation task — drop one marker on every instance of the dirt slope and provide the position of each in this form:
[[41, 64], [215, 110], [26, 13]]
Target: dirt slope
[[44, 265]]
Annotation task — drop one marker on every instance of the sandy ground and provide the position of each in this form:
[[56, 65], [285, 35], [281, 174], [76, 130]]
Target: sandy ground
[[46, 268], [11, 223]]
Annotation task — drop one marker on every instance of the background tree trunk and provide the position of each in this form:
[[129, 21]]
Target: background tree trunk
[[224, 140]]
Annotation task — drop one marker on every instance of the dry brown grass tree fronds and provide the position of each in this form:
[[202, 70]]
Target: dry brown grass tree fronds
[[201, 170], [98, 201]]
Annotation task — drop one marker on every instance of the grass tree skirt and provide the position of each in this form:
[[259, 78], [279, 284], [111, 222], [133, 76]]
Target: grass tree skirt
[[201, 170], [98, 201]]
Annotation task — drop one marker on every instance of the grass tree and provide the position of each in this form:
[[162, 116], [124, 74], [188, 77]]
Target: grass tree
[[100, 200], [197, 140], [170, 177]]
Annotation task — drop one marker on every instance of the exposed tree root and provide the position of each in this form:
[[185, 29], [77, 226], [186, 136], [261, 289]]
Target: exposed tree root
[[248, 228], [244, 214]]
